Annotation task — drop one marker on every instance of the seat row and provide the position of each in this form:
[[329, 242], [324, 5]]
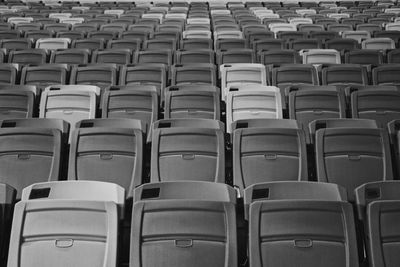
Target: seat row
[[201, 228]]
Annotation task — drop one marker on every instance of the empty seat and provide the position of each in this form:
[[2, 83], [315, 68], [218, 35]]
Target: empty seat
[[10, 34], [194, 44], [53, 43], [194, 73], [187, 240], [269, 45], [90, 44], [198, 56], [44, 75], [73, 35], [364, 57], [321, 56], [8, 73], [279, 57], [236, 56], [16, 104], [307, 104], [39, 34], [379, 105], [378, 206], [144, 74], [70, 103], [294, 74], [352, 156], [131, 44], [157, 44], [359, 36], [276, 149], [188, 149], [341, 44], [109, 150], [30, 155], [7, 199], [378, 44], [386, 75], [192, 101], [162, 56], [346, 74], [101, 75], [241, 73], [114, 56], [16, 44], [298, 223], [393, 56], [28, 57], [131, 102], [304, 44], [75, 221], [70, 56], [230, 43]]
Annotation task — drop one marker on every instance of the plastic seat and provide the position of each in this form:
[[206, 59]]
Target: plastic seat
[[23, 164], [339, 27], [311, 28], [192, 101], [131, 44], [53, 43], [269, 45], [201, 73], [187, 149], [230, 43], [363, 155], [70, 103], [386, 75], [378, 105], [84, 27], [44, 75], [8, 73], [131, 102], [144, 74], [101, 75], [39, 34], [252, 104], [364, 57], [377, 207], [294, 74], [359, 36], [236, 56], [28, 57], [195, 44], [160, 44], [288, 36], [70, 56], [321, 56], [98, 217], [311, 219], [105, 35], [275, 148], [342, 44], [73, 35], [161, 56], [190, 208], [16, 104], [91, 44], [108, 150], [345, 74], [198, 56], [113, 56], [16, 44]]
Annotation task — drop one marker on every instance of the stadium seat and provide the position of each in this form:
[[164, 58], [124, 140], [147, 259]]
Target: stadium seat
[[199, 73], [16, 44], [379, 105], [386, 75], [53, 43], [28, 57], [321, 56], [236, 56], [131, 102], [192, 101], [294, 74], [378, 206], [113, 56], [378, 44], [161, 56], [300, 223], [131, 44], [70, 56], [198, 56], [309, 103], [274, 148], [187, 240], [61, 225], [88, 43], [364, 57], [352, 156], [108, 150], [188, 149], [44, 75], [101, 75], [345, 74], [8, 73], [16, 104], [279, 57], [195, 44]]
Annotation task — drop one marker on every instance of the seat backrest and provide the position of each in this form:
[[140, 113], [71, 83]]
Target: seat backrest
[[70, 56], [190, 208], [192, 103], [297, 222], [53, 43], [98, 74], [345, 74], [44, 75], [113, 56], [352, 156], [27, 57], [386, 74], [203, 73], [110, 150], [292, 74], [379, 105], [252, 104], [321, 56], [31, 155], [16, 104], [187, 153], [279, 153], [378, 44]]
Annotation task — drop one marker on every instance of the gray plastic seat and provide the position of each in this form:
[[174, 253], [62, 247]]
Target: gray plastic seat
[[300, 224], [109, 150], [188, 149], [16, 104], [44, 75], [101, 75], [201, 228], [272, 150], [202, 73], [378, 205], [352, 156], [153, 56], [60, 228], [70, 56], [386, 75], [345, 74]]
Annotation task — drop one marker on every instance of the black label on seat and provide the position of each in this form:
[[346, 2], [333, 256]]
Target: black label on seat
[[39, 193], [372, 193], [10, 124], [150, 193], [260, 193]]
